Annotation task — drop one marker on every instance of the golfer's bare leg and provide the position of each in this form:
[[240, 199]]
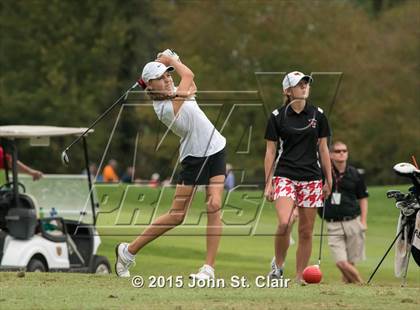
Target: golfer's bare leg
[[356, 273], [214, 221], [175, 216], [284, 208], [349, 271], [343, 269], [344, 278], [305, 228]]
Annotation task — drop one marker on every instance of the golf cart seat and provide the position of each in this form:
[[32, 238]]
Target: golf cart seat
[[82, 236], [19, 221], [6, 203]]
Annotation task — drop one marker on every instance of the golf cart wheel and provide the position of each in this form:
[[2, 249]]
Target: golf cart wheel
[[100, 265], [35, 265]]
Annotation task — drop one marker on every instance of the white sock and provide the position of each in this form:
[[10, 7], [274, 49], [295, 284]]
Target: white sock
[[275, 264], [127, 254], [208, 267]]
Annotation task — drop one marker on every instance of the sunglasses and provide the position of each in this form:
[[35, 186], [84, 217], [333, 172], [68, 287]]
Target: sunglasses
[[340, 151]]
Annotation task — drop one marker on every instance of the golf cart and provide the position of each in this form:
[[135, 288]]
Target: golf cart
[[29, 240]]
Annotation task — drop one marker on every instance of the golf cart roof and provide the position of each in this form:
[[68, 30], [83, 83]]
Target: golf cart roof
[[27, 131]]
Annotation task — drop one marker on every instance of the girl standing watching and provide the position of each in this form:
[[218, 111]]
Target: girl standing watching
[[296, 138]]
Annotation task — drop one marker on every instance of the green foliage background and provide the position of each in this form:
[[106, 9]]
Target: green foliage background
[[64, 62]]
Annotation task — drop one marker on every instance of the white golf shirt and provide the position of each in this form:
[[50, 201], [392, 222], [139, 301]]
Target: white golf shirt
[[199, 138]]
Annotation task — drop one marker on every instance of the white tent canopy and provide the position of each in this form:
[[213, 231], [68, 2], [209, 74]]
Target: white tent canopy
[[27, 131]]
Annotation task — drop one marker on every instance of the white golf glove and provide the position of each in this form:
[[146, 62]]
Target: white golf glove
[[169, 53]]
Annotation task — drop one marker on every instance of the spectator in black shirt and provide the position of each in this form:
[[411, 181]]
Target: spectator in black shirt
[[346, 215], [296, 137]]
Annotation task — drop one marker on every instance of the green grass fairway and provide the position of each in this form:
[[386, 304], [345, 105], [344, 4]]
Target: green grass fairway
[[246, 250], [72, 291]]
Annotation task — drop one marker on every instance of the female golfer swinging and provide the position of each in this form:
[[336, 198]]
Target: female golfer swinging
[[295, 132], [202, 156]]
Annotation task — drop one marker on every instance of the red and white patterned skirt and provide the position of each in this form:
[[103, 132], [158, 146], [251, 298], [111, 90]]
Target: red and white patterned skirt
[[306, 194]]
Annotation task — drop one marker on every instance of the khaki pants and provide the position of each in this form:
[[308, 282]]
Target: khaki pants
[[347, 240]]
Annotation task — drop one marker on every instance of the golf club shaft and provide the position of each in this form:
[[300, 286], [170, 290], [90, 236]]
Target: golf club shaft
[[322, 233], [107, 111]]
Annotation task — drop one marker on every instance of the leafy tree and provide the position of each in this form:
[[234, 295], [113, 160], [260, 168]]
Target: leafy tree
[[64, 62]]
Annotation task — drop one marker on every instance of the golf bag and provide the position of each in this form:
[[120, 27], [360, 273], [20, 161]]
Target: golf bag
[[415, 250], [408, 228], [408, 240]]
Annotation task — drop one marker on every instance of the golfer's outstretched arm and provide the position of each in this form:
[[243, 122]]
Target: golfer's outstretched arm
[[187, 79], [192, 90], [185, 87]]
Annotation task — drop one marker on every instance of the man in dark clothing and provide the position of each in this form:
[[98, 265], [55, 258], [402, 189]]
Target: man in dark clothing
[[346, 214]]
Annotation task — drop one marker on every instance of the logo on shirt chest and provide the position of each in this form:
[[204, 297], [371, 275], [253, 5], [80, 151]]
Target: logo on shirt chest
[[312, 122]]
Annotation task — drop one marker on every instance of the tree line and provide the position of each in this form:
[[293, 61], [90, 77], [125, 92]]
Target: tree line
[[64, 62]]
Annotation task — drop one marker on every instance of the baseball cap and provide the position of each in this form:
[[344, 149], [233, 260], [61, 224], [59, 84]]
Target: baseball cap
[[154, 70], [293, 78]]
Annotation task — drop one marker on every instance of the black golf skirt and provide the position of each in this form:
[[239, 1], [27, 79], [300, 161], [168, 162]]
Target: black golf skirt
[[199, 170]]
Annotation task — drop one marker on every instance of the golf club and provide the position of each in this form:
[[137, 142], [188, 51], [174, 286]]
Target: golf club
[[322, 234], [64, 155]]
